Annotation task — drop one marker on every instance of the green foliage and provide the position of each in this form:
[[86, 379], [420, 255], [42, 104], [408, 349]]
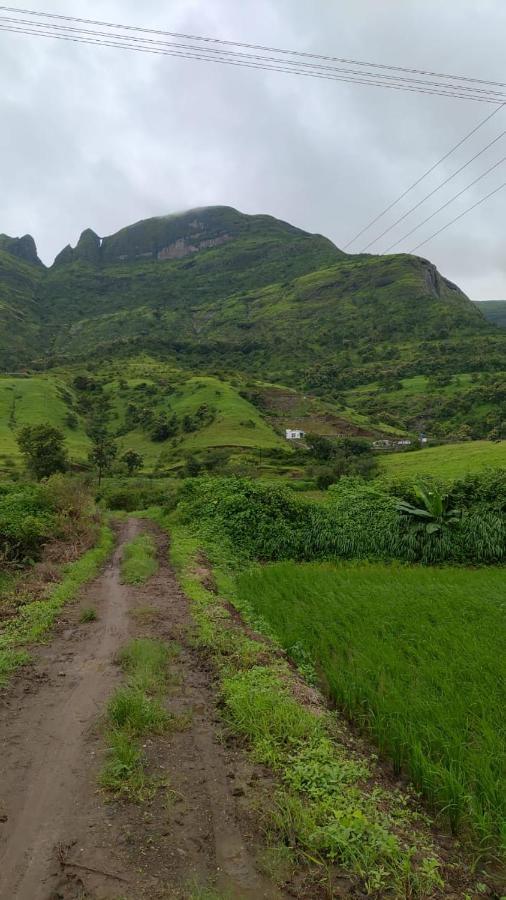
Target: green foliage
[[135, 710], [103, 452], [435, 513], [139, 560], [89, 614], [132, 460], [37, 617], [360, 520], [139, 494], [414, 655], [27, 519], [43, 447], [324, 807]]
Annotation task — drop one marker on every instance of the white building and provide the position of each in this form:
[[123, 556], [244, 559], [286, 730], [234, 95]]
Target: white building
[[294, 434]]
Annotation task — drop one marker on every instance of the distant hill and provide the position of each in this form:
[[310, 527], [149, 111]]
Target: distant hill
[[214, 290], [493, 310]]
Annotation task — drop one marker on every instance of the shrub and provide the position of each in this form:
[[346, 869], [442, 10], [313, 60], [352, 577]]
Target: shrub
[[361, 520]]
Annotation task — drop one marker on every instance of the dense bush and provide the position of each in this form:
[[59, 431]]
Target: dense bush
[[138, 494], [361, 520], [31, 514], [26, 520]]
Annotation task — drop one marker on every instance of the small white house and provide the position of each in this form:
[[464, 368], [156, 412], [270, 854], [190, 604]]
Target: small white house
[[294, 434]]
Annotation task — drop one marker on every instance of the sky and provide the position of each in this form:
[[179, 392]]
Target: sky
[[100, 138]]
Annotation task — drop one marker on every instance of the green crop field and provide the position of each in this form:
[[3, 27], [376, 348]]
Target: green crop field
[[34, 400], [415, 655], [448, 461]]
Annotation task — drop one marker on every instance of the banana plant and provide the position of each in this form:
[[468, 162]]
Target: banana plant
[[434, 511]]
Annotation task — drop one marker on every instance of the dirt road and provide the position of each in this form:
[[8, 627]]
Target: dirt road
[[60, 837]]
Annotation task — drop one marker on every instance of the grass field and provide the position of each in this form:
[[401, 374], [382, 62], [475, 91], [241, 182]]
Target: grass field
[[31, 401], [448, 461], [415, 656]]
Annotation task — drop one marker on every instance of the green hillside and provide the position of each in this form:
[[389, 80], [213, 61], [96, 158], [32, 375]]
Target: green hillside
[[450, 461], [494, 311], [217, 292], [35, 400], [19, 310]]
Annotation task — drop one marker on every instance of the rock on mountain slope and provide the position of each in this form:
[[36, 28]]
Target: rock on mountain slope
[[220, 289]]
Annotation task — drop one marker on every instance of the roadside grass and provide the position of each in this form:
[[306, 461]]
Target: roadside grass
[[328, 807], [135, 711], [36, 618], [449, 462], [88, 615], [139, 560], [415, 656]]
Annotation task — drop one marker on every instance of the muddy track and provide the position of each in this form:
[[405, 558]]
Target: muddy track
[[60, 837]]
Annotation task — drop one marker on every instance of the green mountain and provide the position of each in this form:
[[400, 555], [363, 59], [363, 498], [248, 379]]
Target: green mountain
[[493, 310], [214, 290]]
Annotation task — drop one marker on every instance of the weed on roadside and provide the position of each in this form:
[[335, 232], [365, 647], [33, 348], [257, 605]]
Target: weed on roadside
[[139, 560], [88, 615], [134, 711]]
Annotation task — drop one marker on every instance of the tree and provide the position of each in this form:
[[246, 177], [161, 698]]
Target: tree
[[320, 446], [43, 447], [103, 452], [132, 460]]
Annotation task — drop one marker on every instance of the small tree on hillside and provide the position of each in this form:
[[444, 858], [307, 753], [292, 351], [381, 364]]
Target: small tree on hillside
[[132, 460], [103, 452], [43, 447]]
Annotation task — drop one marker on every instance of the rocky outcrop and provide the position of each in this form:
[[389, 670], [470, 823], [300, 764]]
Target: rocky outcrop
[[22, 247]]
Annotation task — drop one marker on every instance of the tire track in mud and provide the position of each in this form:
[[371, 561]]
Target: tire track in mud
[[60, 838]]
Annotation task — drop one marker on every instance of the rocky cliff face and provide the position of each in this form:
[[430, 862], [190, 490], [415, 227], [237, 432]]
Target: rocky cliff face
[[177, 236], [22, 247]]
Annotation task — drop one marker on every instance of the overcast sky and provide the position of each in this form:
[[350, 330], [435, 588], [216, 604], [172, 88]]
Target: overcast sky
[[92, 137]]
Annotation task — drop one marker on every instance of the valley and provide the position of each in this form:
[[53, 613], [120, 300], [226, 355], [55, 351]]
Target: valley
[[252, 544]]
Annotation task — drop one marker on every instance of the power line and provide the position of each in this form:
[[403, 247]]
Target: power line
[[431, 194], [250, 46], [456, 219], [497, 95], [448, 202], [424, 176], [240, 63]]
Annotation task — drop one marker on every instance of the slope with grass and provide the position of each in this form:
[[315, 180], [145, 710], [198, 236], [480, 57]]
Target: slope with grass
[[448, 462], [32, 400], [414, 655]]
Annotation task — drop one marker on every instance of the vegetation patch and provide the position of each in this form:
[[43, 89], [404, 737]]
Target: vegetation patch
[[139, 560], [88, 615], [134, 711], [328, 807], [36, 618], [414, 655]]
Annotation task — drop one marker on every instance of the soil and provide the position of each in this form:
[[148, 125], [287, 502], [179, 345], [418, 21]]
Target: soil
[[61, 837]]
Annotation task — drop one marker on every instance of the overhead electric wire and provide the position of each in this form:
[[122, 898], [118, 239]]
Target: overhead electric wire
[[431, 194], [448, 202], [425, 175], [497, 95], [228, 61], [465, 87], [461, 216], [251, 46]]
